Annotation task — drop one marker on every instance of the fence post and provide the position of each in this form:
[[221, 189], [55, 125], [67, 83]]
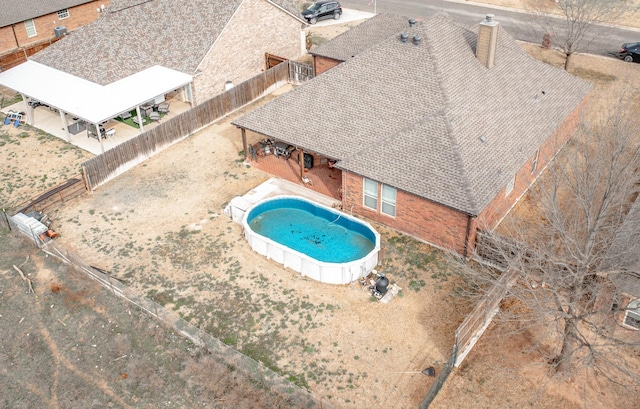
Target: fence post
[[5, 219], [442, 377]]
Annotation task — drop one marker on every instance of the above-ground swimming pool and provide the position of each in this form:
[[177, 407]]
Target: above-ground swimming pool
[[314, 240]]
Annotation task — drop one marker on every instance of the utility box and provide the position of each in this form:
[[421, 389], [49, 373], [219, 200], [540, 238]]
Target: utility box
[[60, 31]]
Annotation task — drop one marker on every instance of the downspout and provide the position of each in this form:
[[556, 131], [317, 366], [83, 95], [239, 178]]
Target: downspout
[[15, 37], [466, 237]]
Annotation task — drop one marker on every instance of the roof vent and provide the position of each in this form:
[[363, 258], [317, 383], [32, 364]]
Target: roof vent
[[482, 138], [417, 40], [412, 22], [404, 37]]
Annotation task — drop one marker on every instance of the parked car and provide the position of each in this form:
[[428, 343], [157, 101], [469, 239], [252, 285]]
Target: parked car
[[322, 10], [630, 52]]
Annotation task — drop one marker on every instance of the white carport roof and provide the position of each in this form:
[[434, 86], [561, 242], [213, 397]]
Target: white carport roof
[[85, 99]]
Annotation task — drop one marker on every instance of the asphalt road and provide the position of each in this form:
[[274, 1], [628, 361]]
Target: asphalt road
[[600, 40]]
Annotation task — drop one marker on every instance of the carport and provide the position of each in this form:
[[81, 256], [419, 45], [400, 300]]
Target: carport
[[88, 101]]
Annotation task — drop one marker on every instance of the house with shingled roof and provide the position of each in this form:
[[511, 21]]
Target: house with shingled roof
[[437, 129], [621, 269], [28, 26], [219, 43], [140, 53]]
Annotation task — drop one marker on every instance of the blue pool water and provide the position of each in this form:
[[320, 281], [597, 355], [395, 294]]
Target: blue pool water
[[312, 230]]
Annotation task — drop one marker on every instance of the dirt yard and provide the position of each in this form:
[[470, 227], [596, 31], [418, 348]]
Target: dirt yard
[[160, 229]]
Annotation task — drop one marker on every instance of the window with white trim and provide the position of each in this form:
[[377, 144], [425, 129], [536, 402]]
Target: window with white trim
[[62, 14], [388, 205], [632, 315], [534, 164], [510, 186], [370, 194], [31, 28]]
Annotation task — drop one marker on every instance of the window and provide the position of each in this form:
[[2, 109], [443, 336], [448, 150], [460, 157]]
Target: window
[[371, 194], [31, 28], [388, 200], [534, 164], [510, 186], [632, 316], [62, 14]]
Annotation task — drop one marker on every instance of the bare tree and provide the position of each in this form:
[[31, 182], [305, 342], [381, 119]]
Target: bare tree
[[558, 243], [568, 21]]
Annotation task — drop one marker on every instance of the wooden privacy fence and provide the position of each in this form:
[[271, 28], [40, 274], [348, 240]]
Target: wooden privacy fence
[[64, 192], [472, 328], [493, 249], [470, 331], [125, 156]]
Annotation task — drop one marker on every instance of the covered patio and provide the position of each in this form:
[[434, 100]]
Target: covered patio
[[78, 110]]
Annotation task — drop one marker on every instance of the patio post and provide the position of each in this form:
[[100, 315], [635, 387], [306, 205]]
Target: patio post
[[301, 162], [99, 136], [140, 118], [27, 109], [63, 117], [244, 142]]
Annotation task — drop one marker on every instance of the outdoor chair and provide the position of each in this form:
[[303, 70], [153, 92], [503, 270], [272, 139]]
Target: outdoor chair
[[125, 115], [163, 107], [154, 116], [137, 120], [145, 111]]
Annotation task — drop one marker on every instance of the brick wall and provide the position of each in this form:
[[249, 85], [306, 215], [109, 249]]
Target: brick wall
[[418, 217], [14, 52], [7, 40], [257, 28], [446, 227], [500, 206], [322, 64]]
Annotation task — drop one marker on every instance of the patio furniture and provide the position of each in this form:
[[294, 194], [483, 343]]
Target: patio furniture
[[154, 116], [163, 107], [146, 110], [111, 132], [136, 120], [125, 115]]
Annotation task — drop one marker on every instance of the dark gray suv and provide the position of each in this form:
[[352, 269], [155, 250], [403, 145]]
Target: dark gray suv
[[322, 10]]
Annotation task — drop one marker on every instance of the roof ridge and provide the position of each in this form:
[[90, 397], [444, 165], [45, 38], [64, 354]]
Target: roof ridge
[[447, 120]]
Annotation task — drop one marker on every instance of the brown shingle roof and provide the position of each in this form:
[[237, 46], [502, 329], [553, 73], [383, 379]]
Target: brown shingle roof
[[411, 116], [366, 35], [132, 35], [16, 11]]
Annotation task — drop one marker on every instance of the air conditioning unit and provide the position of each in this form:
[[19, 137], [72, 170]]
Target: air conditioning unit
[[60, 31]]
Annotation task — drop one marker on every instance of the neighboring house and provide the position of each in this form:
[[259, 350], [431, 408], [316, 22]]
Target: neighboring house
[[622, 290], [219, 43], [28, 26], [438, 130], [353, 42], [139, 51]]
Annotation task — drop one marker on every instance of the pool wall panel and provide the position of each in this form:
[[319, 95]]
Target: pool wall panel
[[331, 273]]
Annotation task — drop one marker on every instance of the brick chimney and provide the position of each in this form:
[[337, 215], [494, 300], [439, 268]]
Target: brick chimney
[[487, 41]]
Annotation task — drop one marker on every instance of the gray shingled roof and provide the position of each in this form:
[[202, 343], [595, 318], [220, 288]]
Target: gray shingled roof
[[16, 11], [369, 33], [133, 35], [411, 116]]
